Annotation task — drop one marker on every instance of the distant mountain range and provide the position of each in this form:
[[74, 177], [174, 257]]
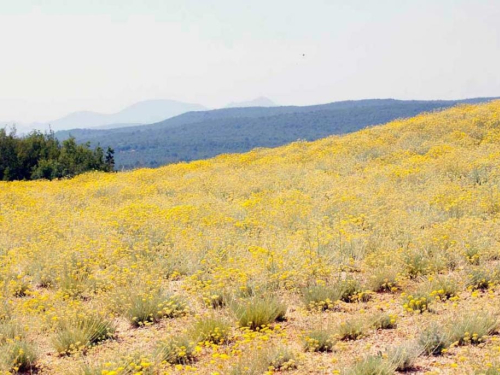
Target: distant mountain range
[[204, 134], [145, 112]]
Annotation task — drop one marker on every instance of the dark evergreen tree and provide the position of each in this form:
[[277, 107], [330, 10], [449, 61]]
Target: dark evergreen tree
[[41, 156], [110, 159]]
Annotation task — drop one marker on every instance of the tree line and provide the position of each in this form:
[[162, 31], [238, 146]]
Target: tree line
[[42, 156]]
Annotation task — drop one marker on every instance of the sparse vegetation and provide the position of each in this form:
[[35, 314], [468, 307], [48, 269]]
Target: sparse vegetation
[[417, 263], [18, 357], [259, 312], [471, 329], [79, 333], [434, 339], [124, 365], [254, 362], [371, 365], [384, 321], [480, 279], [384, 279], [143, 308], [178, 350], [10, 331], [416, 302], [321, 297], [319, 340], [303, 258], [281, 358], [212, 329], [442, 288], [404, 356], [352, 329]]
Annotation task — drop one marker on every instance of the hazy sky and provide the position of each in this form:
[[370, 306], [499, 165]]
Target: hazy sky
[[59, 56]]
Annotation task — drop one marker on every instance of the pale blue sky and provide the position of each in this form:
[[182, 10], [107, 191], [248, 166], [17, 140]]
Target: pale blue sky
[[61, 56]]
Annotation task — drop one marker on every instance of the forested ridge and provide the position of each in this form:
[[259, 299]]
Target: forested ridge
[[204, 134]]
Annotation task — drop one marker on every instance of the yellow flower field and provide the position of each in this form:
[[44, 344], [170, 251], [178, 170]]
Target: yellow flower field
[[367, 253]]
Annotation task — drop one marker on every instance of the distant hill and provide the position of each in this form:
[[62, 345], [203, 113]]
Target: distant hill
[[145, 112], [200, 135], [257, 102]]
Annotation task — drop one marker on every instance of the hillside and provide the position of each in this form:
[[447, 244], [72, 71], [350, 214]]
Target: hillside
[[378, 249], [204, 134]]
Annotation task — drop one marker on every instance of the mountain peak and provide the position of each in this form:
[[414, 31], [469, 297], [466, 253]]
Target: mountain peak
[[143, 112]]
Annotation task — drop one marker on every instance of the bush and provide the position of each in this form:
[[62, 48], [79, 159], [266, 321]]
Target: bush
[[73, 284], [45, 279], [434, 340], [350, 290], [10, 331], [248, 290], [384, 321], [212, 329], [480, 279], [127, 365], [472, 254], [471, 329], [147, 308], [281, 359], [372, 365], [418, 302], [404, 356], [384, 280], [78, 334], [216, 300], [442, 288], [180, 350], [319, 340], [260, 360], [324, 297], [18, 356], [246, 367], [352, 329], [320, 297], [253, 363], [20, 287], [258, 312], [417, 263]]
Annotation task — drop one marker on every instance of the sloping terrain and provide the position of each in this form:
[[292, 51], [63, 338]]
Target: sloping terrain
[[355, 254], [204, 134]]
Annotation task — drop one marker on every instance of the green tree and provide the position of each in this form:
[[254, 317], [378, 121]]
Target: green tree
[[9, 163], [41, 156], [110, 159]]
